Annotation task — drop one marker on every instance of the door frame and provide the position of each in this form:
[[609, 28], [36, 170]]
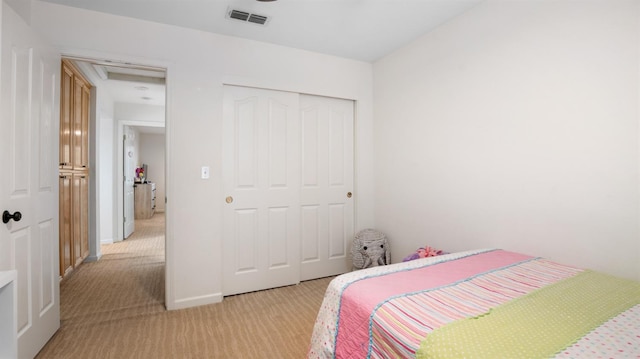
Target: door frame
[[94, 210]]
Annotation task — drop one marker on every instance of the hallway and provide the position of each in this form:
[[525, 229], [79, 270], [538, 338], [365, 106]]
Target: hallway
[[128, 281], [114, 309]]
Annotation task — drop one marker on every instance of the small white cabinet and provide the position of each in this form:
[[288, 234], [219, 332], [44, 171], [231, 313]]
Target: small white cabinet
[[8, 319], [144, 200]]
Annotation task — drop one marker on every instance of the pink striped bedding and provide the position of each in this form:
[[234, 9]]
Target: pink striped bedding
[[385, 312]]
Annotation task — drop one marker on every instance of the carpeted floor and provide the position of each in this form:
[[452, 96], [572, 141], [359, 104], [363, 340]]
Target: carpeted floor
[[114, 308]]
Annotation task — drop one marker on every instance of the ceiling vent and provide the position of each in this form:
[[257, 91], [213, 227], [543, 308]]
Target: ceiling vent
[[247, 17]]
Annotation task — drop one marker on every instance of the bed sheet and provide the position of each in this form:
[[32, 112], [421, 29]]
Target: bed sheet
[[385, 312]]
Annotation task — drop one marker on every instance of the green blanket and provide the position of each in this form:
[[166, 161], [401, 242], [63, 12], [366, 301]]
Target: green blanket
[[537, 325]]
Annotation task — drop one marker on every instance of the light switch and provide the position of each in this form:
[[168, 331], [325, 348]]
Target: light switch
[[204, 173]]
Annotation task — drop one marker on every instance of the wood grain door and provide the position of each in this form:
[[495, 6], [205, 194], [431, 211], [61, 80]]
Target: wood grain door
[[66, 116], [77, 134], [80, 219], [66, 229]]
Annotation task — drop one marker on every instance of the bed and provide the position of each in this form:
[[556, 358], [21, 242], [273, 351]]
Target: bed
[[478, 304]]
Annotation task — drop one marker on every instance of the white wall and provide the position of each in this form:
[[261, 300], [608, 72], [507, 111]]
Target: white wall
[[22, 8], [106, 127], [143, 115], [102, 132], [198, 64], [152, 147], [515, 126]]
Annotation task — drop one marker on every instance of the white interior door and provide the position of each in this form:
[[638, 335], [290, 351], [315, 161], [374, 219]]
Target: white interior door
[[129, 170], [327, 212], [29, 115], [261, 178]]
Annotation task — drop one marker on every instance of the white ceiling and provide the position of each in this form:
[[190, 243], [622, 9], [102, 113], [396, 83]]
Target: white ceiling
[[364, 30]]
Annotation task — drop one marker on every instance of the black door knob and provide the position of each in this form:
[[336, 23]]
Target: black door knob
[[6, 216]]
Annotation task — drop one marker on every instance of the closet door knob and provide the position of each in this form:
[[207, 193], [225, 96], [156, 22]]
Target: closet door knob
[[6, 216], [229, 199]]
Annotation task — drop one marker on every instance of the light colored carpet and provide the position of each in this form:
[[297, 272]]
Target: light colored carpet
[[114, 308]]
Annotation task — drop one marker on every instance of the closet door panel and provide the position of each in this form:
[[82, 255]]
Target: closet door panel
[[76, 125], [79, 223], [66, 234], [262, 189], [84, 128], [84, 217], [327, 187], [66, 116]]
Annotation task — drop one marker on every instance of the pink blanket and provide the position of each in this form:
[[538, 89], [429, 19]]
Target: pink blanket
[[361, 298], [386, 311]]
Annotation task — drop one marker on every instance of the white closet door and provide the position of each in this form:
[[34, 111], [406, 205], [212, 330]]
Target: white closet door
[[261, 161], [327, 212]]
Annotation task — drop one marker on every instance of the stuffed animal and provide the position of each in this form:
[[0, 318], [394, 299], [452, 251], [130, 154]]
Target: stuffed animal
[[370, 248], [423, 252]]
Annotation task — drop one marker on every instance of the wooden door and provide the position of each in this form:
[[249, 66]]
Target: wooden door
[[74, 118], [327, 211], [66, 229], [84, 126], [66, 116], [29, 125], [262, 183], [80, 220], [77, 135]]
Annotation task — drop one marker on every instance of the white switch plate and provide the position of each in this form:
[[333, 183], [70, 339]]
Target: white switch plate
[[204, 172]]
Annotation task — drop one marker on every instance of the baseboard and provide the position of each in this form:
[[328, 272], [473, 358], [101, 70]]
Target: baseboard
[[106, 241], [93, 258], [195, 301]]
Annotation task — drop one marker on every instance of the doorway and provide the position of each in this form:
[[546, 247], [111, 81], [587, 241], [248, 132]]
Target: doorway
[[123, 95]]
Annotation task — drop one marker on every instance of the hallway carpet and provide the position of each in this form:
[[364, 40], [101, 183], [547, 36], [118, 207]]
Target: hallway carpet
[[114, 308]]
